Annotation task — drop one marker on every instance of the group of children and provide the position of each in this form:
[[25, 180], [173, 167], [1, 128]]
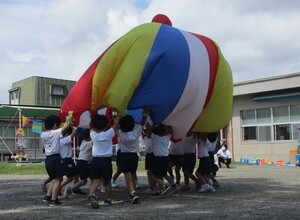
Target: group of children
[[95, 158]]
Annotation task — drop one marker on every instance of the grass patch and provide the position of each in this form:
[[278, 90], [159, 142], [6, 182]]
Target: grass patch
[[39, 168], [24, 169]]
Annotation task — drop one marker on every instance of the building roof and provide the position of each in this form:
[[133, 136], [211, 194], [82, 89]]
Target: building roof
[[269, 84]]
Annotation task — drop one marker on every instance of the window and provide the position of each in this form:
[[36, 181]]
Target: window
[[295, 113], [58, 90], [296, 135], [249, 133], [271, 124], [264, 133], [263, 116], [248, 117], [282, 132], [14, 96], [281, 114]]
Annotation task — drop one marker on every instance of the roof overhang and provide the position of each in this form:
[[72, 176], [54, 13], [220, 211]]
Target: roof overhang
[[275, 96], [9, 111]]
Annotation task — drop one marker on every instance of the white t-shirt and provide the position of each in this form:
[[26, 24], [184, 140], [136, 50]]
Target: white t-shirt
[[102, 143], [66, 147], [189, 145], [148, 145], [160, 145], [203, 148], [50, 140], [85, 150], [225, 154], [129, 141], [176, 148]]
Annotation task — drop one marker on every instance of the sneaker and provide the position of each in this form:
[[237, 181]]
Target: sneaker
[[134, 198], [67, 192], [43, 187], [113, 184], [55, 202], [78, 192], [216, 184], [175, 188], [205, 188], [164, 190], [94, 202], [185, 189], [156, 193], [212, 189], [47, 198], [107, 202]]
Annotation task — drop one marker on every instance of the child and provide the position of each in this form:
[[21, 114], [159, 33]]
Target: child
[[160, 138], [204, 169], [149, 159], [118, 171], [189, 161], [83, 162], [129, 134], [213, 138], [101, 164], [50, 139], [175, 159], [66, 143]]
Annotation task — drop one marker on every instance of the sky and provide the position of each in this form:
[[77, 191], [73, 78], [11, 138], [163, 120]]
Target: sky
[[62, 38]]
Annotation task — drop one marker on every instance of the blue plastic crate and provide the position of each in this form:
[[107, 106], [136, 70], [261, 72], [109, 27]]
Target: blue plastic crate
[[297, 160]]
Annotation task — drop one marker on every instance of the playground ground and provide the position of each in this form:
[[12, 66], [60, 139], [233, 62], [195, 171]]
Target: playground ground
[[246, 192]]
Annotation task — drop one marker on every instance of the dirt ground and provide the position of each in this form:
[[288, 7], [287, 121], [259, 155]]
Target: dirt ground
[[246, 192]]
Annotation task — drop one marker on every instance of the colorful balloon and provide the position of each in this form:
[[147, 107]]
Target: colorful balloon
[[181, 76]]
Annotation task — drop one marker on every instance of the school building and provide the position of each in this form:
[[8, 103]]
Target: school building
[[265, 117], [35, 98]]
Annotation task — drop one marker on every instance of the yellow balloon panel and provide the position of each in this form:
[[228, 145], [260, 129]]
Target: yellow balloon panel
[[218, 111]]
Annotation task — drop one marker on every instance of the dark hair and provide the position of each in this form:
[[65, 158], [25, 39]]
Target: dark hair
[[212, 136], [99, 122], [127, 123], [51, 120], [159, 129]]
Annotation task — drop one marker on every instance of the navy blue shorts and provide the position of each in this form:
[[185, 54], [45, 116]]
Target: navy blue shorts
[[69, 167], [160, 166], [204, 166], [83, 169], [54, 166], [149, 160], [101, 167], [177, 160], [129, 162], [189, 162]]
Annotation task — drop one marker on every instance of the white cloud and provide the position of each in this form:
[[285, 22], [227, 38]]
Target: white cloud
[[61, 38]]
